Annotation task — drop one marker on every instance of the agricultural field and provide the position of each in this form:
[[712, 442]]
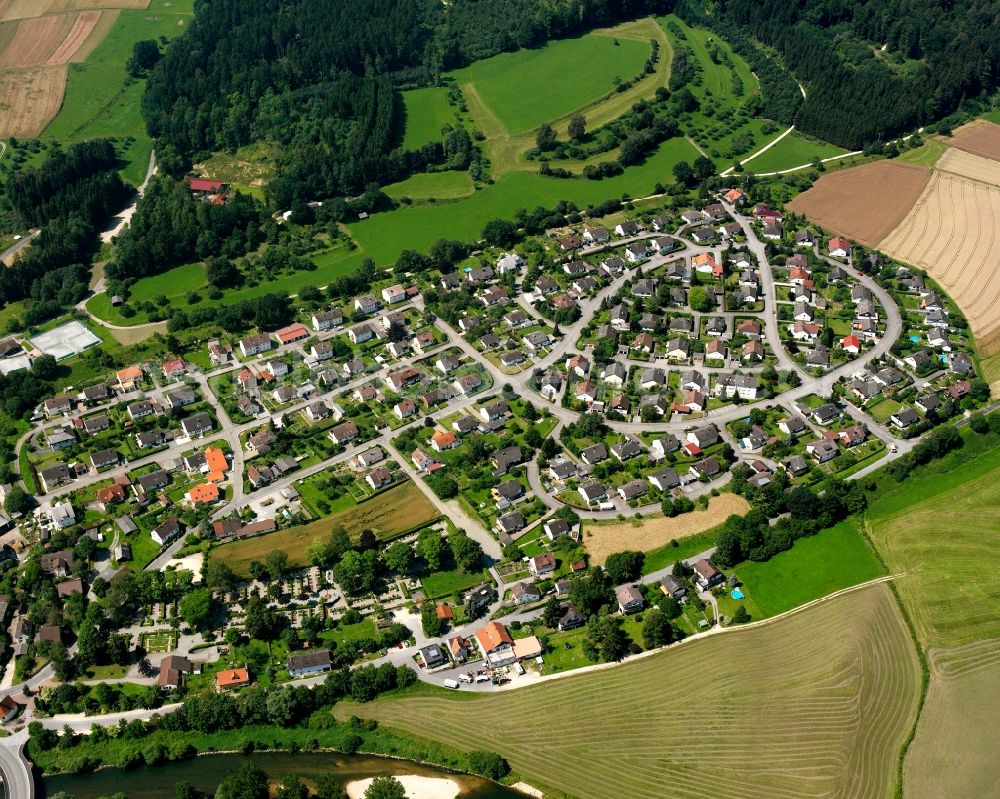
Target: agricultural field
[[980, 137], [529, 87], [37, 42], [940, 528], [396, 511], [98, 100], [602, 540], [451, 185], [814, 704], [427, 110], [950, 755], [864, 203], [792, 151], [29, 98], [950, 233]]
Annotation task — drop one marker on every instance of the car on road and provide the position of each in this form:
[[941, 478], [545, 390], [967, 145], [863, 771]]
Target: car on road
[[451, 684]]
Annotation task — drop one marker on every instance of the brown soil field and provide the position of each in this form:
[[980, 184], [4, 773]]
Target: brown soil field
[[865, 202], [952, 233], [36, 40], [29, 98], [602, 540], [978, 137], [26, 9], [950, 755], [83, 26]]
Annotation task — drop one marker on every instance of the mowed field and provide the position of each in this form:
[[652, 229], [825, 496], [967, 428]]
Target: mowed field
[[529, 87], [942, 529], [814, 704], [864, 203], [37, 41], [396, 511], [951, 231], [952, 753], [602, 540]]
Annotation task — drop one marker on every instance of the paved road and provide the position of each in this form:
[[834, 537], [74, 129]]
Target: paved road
[[13, 249]]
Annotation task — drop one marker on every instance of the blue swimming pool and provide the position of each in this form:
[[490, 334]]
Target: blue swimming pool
[[914, 339], [737, 593]]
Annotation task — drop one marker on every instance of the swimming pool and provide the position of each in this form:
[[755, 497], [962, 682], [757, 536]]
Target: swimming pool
[[737, 593], [915, 339]]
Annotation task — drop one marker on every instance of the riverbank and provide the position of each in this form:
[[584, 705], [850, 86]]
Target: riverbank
[[206, 772], [417, 787]]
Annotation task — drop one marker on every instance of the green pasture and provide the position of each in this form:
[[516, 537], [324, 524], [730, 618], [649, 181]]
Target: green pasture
[[792, 151], [427, 110], [450, 185], [529, 87]]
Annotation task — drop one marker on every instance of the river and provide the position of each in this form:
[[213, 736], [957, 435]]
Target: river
[[205, 773]]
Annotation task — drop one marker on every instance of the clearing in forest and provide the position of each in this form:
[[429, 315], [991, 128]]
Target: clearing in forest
[[863, 203], [602, 540], [813, 704]]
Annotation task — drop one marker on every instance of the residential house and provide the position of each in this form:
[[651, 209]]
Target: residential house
[[664, 479], [743, 386], [53, 476], [822, 450], [545, 563], [629, 599], [706, 574], [594, 454], [592, 492], [343, 433], [839, 247], [904, 418], [197, 425], [633, 489], [495, 644]]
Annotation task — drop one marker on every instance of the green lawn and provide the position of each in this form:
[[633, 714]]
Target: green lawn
[[832, 559], [449, 185], [426, 111], [383, 236], [925, 155], [793, 150], [881, 411], [446, 583], [528, 87], [99, 101], [177, 282]]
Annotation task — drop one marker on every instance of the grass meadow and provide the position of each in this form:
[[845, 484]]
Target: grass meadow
[[100, 101], [792, 151], [832, 559], [529, 87], [426, 111], [451, 185], [765, 711], [940, 527]]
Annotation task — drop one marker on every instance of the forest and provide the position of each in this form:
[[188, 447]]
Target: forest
[[322, 78], [72, 194], [937, 54]]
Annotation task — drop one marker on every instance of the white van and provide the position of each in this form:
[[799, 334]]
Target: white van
[[466, 678], [451, 683], [483, 678]]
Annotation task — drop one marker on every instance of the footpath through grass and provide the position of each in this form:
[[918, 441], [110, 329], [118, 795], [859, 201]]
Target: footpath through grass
[[792, 151]]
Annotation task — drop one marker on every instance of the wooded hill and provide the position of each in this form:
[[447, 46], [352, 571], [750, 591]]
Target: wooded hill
[[320, 77], [937, 54]]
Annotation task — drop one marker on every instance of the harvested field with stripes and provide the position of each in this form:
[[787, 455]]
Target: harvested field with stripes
[[29, 98], [26, 9], [34, 51], [950, 755], [952, 232], [813, 704], [864, 203]]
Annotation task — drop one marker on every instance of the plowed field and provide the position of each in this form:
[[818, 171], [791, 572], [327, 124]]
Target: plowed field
[[864, 203], [26, 9], [979, 138]]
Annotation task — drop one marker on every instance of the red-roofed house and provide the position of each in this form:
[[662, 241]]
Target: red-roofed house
[[496, 644], [205, 184], [852, 344], [175, 367], [839, 247], [292, 333]]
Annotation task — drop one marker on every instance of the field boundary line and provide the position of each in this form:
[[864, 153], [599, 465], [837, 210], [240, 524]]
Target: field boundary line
[[717, 630], [763, 149]]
